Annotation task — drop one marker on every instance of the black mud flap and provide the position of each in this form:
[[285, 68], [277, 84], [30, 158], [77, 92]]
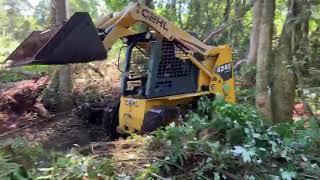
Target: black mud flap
[[77, 41], [158, 117]]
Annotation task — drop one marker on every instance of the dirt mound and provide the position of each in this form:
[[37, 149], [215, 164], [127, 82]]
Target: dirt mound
[[19, 105], [21, 97]]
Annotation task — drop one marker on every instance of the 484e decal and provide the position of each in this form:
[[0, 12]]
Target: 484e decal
[[225, 71]]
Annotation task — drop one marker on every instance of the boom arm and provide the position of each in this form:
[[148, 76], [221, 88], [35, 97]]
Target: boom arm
[[118, 26]]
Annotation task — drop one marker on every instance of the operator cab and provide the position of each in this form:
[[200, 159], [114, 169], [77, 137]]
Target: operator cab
[[153, 67]]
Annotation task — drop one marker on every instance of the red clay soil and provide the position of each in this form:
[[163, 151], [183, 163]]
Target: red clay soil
[[18, 103]]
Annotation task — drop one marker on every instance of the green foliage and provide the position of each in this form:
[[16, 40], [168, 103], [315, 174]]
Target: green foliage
[[11, 76], [245, 95], [218, 139], [17, 157], [42, 13], [280, 16], [15, 21], [95, 7], [23, 151], [116, 5], [8, 45], [145, 174], [75, 166], [20, 159], [10, 170]]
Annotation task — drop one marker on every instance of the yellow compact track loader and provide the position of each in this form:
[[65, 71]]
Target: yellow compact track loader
[[166, 68]]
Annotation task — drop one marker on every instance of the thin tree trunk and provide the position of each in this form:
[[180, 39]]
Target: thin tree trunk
[[284, 82], [237, 29], [148, 3], [173, 7], [143, 27], [226, 18], [264, 57], [180, 13], [194, 13], [226, 13], [254, 39]]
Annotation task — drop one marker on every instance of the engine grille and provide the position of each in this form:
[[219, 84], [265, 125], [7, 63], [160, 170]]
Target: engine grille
[[170, 66], [170, 75]]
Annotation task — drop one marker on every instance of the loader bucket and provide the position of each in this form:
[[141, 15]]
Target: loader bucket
[[77, 41]]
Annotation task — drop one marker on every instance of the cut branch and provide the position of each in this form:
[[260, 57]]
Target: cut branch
[[220, 30]]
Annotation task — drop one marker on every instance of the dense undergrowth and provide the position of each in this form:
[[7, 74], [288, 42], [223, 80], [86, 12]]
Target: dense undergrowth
[[216, 141], [21, 160], [232, 141]]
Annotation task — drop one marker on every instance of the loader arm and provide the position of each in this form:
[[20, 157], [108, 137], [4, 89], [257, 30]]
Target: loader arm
[[119, 26]]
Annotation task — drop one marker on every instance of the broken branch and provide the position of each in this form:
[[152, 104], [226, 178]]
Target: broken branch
[[96, 70], [151, 173]]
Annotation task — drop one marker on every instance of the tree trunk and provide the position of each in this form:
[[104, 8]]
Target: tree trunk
[[284, 83], [254, 39], [64, 90], [264, 57], [60, 11]]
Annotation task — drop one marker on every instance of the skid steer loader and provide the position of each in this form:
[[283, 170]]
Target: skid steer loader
[[166, 68]]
